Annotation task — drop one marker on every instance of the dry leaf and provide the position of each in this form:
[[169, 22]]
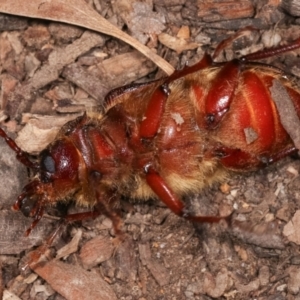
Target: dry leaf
[[40, 131], [141, 20], [78, 12], [291, 229]]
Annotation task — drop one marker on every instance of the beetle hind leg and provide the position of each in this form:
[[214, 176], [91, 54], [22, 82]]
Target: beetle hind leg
[[161, 189]]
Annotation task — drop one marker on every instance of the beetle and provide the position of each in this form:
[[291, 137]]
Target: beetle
[[164, 139]]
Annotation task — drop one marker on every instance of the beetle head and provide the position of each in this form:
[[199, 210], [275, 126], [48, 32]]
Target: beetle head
[[58, 178]]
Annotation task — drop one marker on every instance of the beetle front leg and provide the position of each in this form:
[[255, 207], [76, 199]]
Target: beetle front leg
[[166, 195]]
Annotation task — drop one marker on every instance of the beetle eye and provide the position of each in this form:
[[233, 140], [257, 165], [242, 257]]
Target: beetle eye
[[47, 163]]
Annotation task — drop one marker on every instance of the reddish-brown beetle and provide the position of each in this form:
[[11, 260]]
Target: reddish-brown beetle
[[164, 139]]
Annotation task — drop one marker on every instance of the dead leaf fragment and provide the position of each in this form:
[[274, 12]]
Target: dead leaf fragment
[[158, 271], [71, 247], [184, 33], [216, 286], [40, 131], [75, 283], [177, 44], [286, 109], [12, 228], [142, 21], [95, 251], [7, 295], [214, 10], [294, 280], [78, 12], [291, 229]]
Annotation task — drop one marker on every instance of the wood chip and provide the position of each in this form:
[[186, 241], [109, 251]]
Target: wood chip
[[90, 83], [291, 229], [292, 7], [293, 284], [80, 13], [97, 250], [215, 10], [40, 131], [248, 288], [12, 228], [288, 115], [216, 286], [177, 44], [7, 295], [123, 68], [75, 283], [264, 234], [126, 261], [71, 247], [13, 176], [158, 271], [58, 58]]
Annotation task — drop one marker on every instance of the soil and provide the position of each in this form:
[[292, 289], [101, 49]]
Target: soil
[[161, 256]]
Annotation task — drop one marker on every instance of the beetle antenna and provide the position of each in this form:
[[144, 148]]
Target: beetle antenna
[[21, 156]]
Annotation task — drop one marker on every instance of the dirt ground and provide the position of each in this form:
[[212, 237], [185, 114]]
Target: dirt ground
[[162, 256]]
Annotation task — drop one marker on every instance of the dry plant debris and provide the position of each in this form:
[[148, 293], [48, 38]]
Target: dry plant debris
[[52, 72]]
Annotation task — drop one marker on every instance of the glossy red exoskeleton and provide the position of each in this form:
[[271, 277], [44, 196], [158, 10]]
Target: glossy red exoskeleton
[[164, 139]]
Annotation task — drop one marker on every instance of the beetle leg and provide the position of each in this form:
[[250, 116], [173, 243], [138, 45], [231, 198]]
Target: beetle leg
[[38, 213], [154, 112], [221, 92], [37, 254], [156, 106], [20, 155], [238, 160], [271, 51], [205, 62], [161, 189], [229, 41]]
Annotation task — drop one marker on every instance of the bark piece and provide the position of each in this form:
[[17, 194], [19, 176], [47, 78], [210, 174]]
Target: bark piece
[[80, 13], [264, 235], [216, 286], [216, 10], [8, 23], [87, 81], [13, 176], [177, 44], [292, 7], [58, 58], [95, 251], [12, 228], [291, 229], [124, 68], [40, 131], [158, 271], [286, 109], [71, 247], [36, 36], [140, 18], [7, 295], [75, 283], [293, 284], [126, 261]]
